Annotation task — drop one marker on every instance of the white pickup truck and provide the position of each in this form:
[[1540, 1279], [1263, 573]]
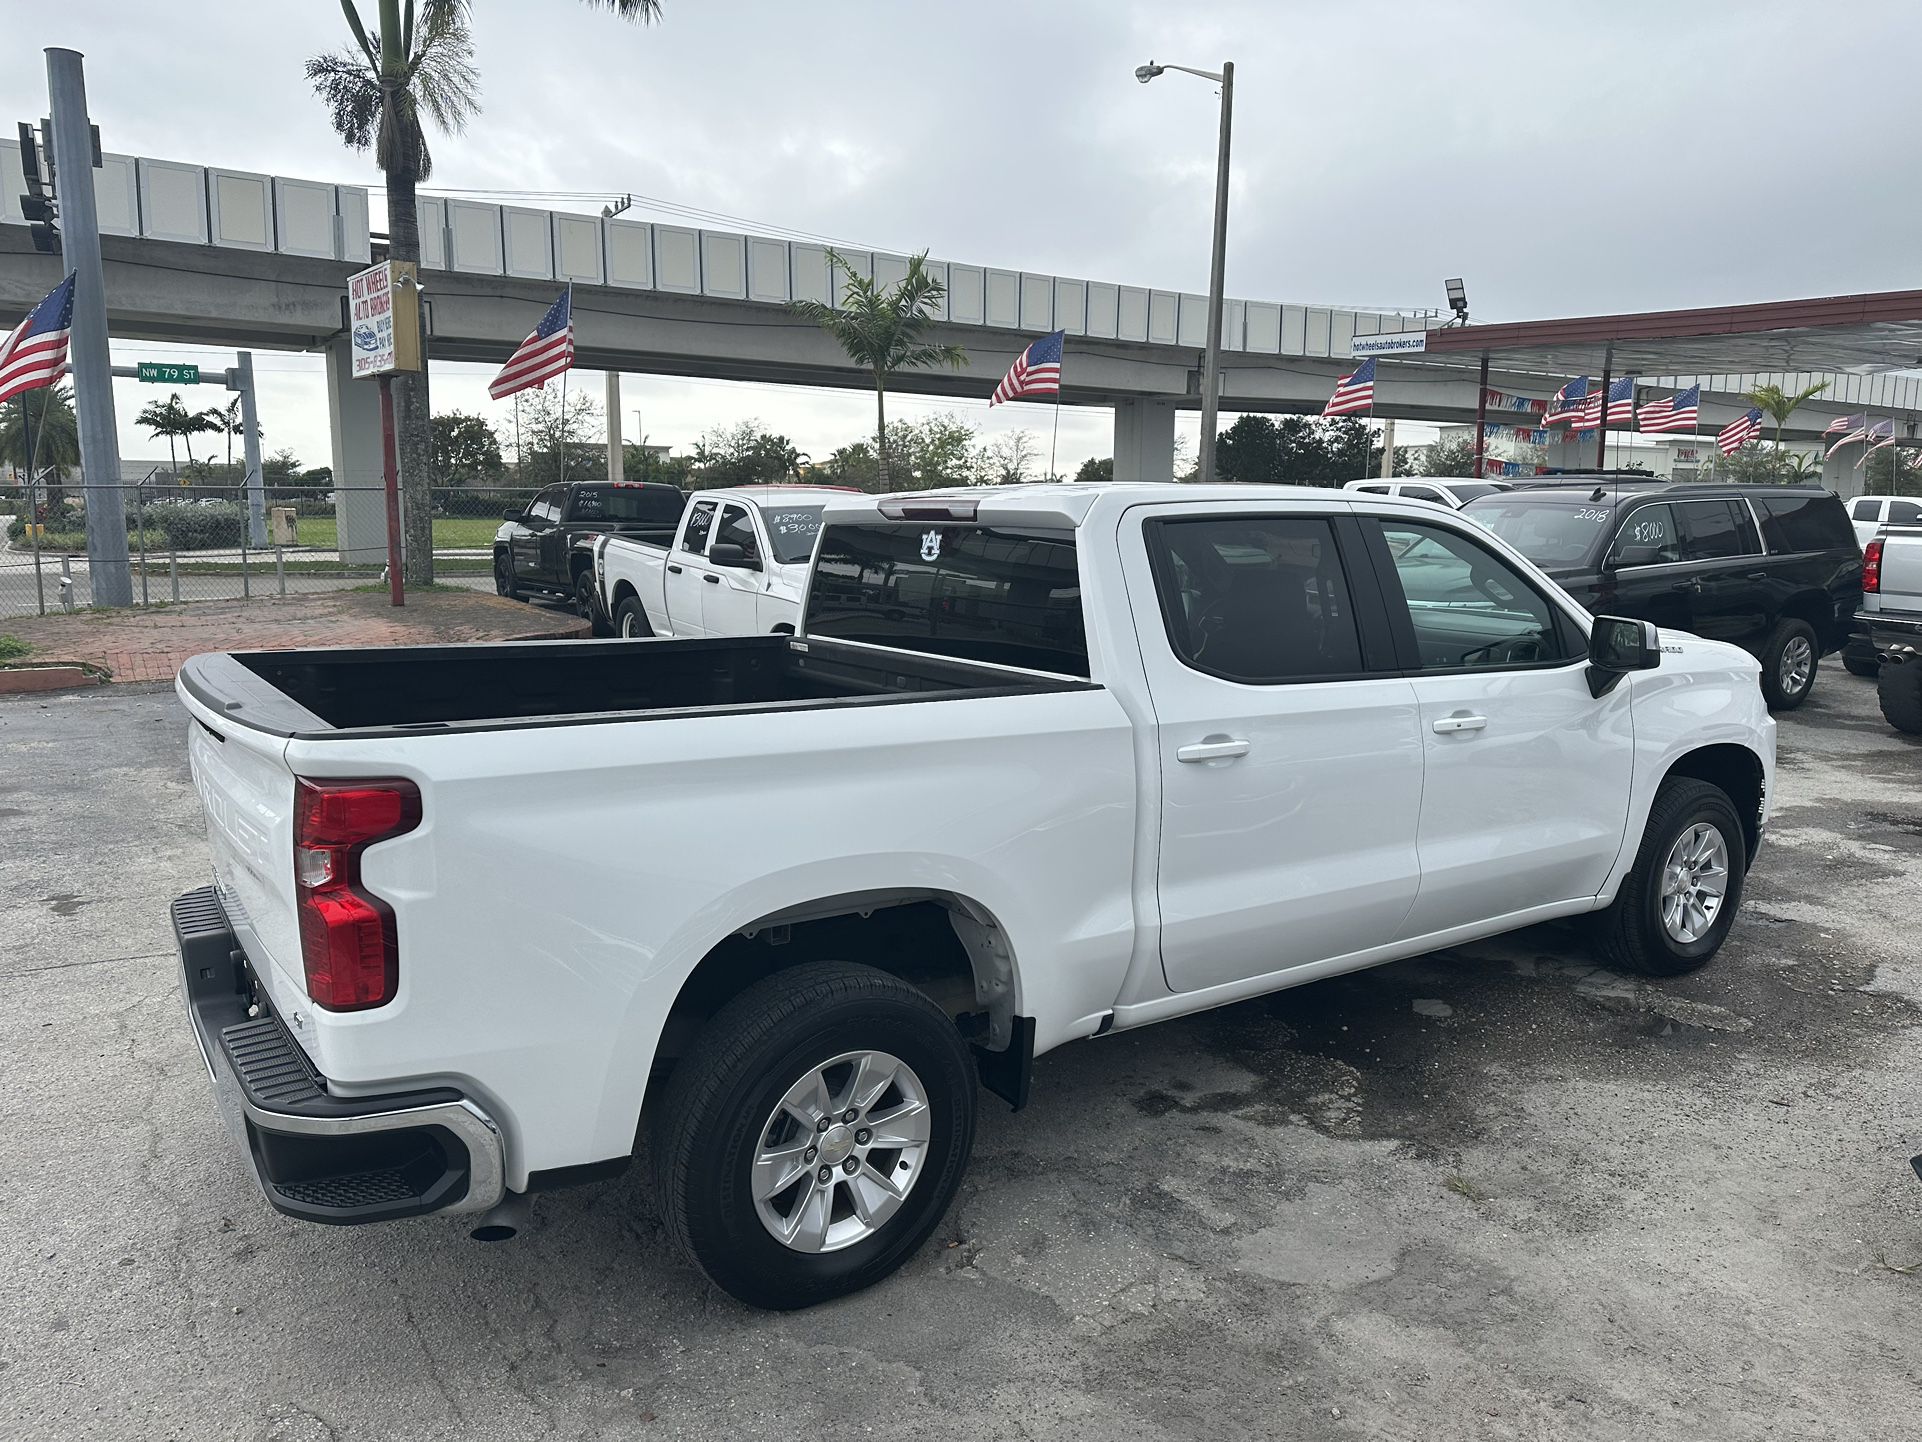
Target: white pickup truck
[[737, 565], [1049, 762], [1888, 624]]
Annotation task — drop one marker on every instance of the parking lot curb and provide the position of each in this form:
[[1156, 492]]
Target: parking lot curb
[[49, 676]]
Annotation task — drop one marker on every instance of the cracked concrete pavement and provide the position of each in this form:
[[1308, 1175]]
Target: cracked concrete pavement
[[1496, 1193]]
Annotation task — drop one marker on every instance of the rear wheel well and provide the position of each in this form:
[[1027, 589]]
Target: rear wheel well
[[945, 945], [1737, 772], [577, 562], [1815, 608]]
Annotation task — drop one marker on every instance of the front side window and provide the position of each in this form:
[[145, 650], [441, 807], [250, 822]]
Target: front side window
[[547, 505], [1649, 537], [737, 529], [700, 523], [1256, 599], [1467, 606], [1904, 513], [1717, 530]]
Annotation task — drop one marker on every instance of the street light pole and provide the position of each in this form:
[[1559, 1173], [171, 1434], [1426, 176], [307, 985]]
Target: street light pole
[[1211, 357]]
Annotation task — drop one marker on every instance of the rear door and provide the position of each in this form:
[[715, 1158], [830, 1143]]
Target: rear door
[[1526, 777], [730, 594], [686, 570], [1733, 595], [1290, 758]]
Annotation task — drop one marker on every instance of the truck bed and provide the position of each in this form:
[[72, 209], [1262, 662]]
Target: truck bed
[[312, 694]]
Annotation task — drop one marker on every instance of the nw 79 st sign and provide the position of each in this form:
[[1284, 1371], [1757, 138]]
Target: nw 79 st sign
[[383, 319]]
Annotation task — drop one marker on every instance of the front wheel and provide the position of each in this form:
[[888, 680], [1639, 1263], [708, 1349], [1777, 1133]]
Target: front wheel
[[1899, 689], [504, 583], [814, 1134], [1788, 665], [1679, 900]]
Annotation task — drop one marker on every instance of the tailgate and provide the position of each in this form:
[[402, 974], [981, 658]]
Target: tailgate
[[1901, 587], [247, 793]]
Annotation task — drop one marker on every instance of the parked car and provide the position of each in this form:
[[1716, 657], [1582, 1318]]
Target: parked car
[[735, 567], [1773, 569], [1451, 493], [545, 548], [1889, 625], [1869, 514], [1041, 762]]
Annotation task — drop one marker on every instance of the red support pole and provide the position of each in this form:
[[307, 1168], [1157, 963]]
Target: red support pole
[[390, 477], [1481, 418]]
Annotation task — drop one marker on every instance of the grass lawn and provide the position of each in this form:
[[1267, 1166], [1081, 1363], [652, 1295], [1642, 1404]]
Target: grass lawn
[[464, 533]]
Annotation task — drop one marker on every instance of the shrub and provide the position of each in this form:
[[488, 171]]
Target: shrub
[[189, 527]]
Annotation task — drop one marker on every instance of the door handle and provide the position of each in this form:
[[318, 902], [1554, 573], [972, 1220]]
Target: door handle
[[712, 579], [1215, 748], [673, 570], [1445, 725]]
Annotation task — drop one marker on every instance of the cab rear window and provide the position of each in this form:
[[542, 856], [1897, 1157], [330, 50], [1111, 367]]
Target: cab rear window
[[659, 504], [1007, 595]]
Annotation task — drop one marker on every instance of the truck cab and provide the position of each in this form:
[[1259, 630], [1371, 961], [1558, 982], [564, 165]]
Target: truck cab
[[543, 548]]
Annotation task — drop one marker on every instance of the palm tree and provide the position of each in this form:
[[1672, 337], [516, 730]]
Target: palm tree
[[417, 63], [881, 327], [40, 420], [173, 420], [225, 421], [1778, 405]]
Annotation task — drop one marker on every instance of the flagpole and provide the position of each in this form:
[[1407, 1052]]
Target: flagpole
[[33, 498], [563, 428]]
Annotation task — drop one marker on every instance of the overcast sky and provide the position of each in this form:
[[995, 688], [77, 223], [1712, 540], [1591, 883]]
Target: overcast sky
[[1564, 159]]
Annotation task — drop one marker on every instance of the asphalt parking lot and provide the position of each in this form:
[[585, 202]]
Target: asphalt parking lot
[[1489, 1194]]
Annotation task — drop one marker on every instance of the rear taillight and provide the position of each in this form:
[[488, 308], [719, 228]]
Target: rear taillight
[[1872, 566], [347, 939]]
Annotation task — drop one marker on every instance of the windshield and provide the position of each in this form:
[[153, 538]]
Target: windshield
[[660, 504], [791, 531], [1552, 531]]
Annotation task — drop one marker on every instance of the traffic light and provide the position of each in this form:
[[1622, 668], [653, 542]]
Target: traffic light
[[37, 206]]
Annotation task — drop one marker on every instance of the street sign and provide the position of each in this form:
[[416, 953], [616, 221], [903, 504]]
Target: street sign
[[383, 318], [166, 373]]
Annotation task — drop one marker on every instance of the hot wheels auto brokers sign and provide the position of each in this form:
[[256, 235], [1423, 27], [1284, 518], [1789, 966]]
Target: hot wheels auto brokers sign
[[383, 310]]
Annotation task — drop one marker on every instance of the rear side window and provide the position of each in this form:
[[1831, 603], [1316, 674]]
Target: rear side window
[[1423, 493], [1867, 509], [1007, 595], [1257, 599], [1717, 530], [699, 524], [1804, 522]]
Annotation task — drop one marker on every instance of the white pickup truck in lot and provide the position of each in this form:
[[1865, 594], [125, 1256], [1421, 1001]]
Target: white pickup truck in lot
[[736, 567], [1889, 622], [1049, 762]]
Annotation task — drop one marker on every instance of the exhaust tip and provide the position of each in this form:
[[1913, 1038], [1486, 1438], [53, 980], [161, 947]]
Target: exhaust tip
[[503, 1221]]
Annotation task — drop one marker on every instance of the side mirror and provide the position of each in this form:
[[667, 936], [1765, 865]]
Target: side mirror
[[513, 513], [1616, 646], [726, 553]]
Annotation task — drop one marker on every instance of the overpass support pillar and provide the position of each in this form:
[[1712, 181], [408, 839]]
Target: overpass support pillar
[[353, 418], [1144, 440]]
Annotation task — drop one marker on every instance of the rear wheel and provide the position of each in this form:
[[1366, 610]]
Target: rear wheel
[[1899, 689], [504, 584], [814, 1134], [630, 618], [1680, 898], [588, 603], [1788, 664], [1857, 666]]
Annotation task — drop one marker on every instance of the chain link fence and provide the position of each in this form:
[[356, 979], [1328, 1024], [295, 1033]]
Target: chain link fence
[[189, 541]]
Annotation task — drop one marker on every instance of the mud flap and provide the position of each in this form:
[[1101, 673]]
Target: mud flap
[[1008, 1073]]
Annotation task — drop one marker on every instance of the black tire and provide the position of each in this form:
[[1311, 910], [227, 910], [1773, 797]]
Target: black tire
[[630, 618], [588, 603], [717, 1103], [504, 582], [1629, 935], [1857, 666], [1899, 689], [1783, 693]]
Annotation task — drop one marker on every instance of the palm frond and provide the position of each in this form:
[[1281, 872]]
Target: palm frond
[[645, 11], [347, 87]]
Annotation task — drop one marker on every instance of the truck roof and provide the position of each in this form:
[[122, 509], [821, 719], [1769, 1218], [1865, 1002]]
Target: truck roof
[[772, 493]]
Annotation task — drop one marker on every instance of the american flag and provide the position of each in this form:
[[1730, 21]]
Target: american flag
[[1035, 372], [36, 353], [1679, 412], [1740, 431], [1354, 391], [1621, 402], [1565, 404], [1881, 434], [1591, 412], [1841, 425], [546, 353], [1863, 432]]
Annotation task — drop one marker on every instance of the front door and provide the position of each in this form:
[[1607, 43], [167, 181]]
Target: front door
[[731, 594], [1644, 574], [1525, 788], [542, 516], [1290, 765]]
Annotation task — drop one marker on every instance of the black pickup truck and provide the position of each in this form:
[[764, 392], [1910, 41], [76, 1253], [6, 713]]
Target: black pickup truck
[[547, 549], [1773, 569]]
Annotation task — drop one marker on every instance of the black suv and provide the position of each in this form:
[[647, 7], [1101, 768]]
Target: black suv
[[547, 548], [1773, 569]]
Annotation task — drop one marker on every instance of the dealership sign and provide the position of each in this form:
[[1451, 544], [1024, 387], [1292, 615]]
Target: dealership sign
[[1400, 343], [383, 319]]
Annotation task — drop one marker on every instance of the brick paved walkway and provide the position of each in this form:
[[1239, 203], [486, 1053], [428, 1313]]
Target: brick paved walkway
[[149, 643]]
